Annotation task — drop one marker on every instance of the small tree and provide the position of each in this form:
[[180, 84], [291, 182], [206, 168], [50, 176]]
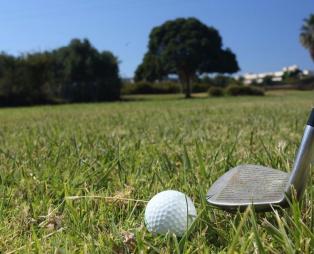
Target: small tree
[[292, 75], [268, 81], [185, 47]]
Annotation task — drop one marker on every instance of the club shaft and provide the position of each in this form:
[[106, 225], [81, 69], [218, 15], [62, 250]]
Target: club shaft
[[302, 162]]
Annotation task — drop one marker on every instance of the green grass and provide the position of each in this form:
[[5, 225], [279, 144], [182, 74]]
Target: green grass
[[133, 150]]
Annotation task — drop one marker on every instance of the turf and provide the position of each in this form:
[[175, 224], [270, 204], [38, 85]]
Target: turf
[[76, 178]]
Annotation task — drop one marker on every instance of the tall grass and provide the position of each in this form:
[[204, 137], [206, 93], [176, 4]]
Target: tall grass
[[76, 178]]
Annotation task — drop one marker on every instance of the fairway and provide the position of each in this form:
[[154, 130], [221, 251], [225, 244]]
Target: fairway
[[76, 178]]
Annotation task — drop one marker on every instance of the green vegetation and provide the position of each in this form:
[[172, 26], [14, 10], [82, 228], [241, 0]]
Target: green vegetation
[[115, 156], [151, 88], [216, 91], [220, 81], [307, 35], [187, 48], [200, 85], [74, 73], [164, 87], [237, 90]]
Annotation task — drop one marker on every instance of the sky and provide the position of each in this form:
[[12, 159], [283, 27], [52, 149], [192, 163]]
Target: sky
[[264, 35]]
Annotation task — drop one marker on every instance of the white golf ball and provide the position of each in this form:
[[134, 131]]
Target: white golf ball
[[169, 211]]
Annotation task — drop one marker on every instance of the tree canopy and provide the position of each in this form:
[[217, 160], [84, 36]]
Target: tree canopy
[[185, 47], [87, 75], [307, 35], [150, 70], [75, 73]]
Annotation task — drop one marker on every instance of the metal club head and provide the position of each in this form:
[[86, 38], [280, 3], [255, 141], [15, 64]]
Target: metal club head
[[249, 184], [264, 187]]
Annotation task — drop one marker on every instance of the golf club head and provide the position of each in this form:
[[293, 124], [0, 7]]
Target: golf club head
[[244, 185], [261, 186]]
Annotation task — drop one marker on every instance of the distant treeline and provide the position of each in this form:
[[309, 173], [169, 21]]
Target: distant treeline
[[228, 84], [198, 85], [74, 73]]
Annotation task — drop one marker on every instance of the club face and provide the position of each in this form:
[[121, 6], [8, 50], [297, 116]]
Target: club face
[[244, 185]]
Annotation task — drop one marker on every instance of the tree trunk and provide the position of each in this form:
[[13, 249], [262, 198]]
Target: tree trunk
[[188, 87], [186, 83]]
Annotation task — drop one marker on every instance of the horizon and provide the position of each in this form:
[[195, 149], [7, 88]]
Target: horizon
[[123, 28]]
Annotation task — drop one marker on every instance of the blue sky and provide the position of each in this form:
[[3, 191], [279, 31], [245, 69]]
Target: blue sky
[[263, 34]]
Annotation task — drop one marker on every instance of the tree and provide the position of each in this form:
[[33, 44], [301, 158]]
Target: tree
[[150, 70], [268, 80], [74, 73], [186, 47], [86, 74], [25, 79], [307, 35], [294, 75]]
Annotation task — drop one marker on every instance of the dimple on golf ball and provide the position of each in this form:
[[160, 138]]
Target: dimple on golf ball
[[169, 211]]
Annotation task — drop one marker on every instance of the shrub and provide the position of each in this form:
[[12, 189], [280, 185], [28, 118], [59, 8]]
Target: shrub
[[268, 81], [151, 88], [137, 88], [223, 81], [200, 87], [216, 91], [236, 90]]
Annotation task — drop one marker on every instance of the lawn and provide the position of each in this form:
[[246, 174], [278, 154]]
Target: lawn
[[76, 178]]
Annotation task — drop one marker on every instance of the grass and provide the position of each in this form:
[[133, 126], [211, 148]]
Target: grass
[[113, 157]]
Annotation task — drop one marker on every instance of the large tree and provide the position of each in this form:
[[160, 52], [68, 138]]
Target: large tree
[[185, 47], [307, 34]]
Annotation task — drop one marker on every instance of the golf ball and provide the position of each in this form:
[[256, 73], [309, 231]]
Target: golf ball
[[169, 211]]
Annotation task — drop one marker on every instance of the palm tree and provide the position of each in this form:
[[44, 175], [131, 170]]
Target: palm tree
[[307, 35]]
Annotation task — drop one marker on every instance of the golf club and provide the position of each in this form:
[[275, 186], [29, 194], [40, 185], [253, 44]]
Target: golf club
[[264, 187]]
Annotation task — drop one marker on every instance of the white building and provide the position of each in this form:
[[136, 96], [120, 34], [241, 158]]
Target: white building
[[275, 76]]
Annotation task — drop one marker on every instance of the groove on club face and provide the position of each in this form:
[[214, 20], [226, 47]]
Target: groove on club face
[[249, 184]]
